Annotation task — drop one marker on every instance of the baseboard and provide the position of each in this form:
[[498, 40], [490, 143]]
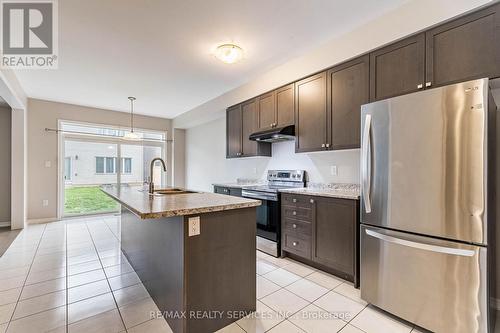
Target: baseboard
[[4, 224], [40, 221]]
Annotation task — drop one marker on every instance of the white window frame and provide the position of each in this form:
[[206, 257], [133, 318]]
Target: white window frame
[[123, 168], [105, 165], [70, 168]]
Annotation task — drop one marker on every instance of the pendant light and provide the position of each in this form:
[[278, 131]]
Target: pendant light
[[132, 136]]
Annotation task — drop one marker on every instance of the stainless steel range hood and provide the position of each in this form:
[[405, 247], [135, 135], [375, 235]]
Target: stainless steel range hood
[[277, 134]]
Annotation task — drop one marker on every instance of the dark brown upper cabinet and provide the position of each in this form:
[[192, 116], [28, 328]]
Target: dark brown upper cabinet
[[233, 131], [267, 110], [276, 108], [464, 49], [348, 89], [398, 68], [250, 119], [311, 114], [285, 99], [243, 120]]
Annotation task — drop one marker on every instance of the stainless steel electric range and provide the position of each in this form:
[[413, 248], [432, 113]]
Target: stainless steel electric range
[[269, 213]]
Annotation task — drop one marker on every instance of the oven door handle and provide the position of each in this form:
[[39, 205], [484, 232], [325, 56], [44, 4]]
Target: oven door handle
[[259, 196]]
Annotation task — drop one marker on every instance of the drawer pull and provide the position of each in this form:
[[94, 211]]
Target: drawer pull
[[295, 243], [294, 200], [294, 226], [294, 213], [311, 201]]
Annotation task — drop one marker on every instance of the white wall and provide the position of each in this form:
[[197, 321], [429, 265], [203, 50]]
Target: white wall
[[179, 158], [411, 17], [206, 161], [19, 180], [83, 163], [5, 163]]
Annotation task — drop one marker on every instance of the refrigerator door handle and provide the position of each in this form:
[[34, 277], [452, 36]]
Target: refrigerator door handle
[[367, 164], [421, 246]]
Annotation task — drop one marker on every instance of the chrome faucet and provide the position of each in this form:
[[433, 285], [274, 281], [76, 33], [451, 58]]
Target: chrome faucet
[[151, 183]]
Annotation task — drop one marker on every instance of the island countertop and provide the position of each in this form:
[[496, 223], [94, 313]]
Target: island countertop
[[145, 206]]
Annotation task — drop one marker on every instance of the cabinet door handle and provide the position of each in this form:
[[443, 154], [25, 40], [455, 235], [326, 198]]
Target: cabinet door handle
[[295, 243], [311, 201], [294, 213], [294, 200], [294, 226], [420, 86], [428, 84]]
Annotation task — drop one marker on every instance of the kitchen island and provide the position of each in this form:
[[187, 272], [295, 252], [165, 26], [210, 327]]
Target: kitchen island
[[194, 253]]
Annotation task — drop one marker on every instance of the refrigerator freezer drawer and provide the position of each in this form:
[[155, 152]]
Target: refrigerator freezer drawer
[[438, 285]]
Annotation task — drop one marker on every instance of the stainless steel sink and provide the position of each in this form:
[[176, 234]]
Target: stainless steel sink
[[170, 191], [167, 191]]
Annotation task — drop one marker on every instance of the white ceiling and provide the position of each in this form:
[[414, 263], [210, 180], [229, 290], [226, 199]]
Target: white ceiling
[[159, 50]]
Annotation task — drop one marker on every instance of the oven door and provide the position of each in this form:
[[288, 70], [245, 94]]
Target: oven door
[[268, 221]]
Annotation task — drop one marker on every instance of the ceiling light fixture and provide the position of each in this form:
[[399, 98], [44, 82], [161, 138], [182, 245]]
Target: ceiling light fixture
[[229, 53], [132, 136]]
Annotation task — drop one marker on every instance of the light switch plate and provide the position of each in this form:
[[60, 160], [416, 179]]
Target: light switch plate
[[334, 170], [48, 164], [194, 226]]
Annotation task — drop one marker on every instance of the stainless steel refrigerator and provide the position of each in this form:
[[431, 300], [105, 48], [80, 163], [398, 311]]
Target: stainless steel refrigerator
[[428, 174]]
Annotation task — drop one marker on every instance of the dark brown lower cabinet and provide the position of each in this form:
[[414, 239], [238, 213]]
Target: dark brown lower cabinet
[[322, 232], [334, 230]]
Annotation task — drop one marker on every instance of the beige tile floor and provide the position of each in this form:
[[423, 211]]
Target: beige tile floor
[[71, 276]]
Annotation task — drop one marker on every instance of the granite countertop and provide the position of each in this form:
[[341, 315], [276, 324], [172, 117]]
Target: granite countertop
[[145, 206], [342, 191]]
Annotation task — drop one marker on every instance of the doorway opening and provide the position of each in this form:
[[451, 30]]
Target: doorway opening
[[92, 156]]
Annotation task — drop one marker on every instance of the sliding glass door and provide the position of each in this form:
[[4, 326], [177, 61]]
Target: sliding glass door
[[89, 165], [89, 162]]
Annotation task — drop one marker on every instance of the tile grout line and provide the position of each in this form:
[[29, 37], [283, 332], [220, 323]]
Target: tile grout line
[[29, 270], [119, 255], [109, 285], [310, 303]]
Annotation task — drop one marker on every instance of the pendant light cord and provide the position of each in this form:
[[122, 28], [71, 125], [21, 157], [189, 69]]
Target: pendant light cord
[[132, 99]]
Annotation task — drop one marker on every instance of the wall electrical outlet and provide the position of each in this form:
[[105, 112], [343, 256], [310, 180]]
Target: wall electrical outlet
[[194, 226], [334, 170], [45, 203]]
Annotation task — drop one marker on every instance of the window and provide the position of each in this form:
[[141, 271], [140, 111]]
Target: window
[[127, 165], [67, 168], [105, 165]]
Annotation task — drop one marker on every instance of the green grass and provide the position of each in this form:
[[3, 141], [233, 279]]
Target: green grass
[[87, 200]]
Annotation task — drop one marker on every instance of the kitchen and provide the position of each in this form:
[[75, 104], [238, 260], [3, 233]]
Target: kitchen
[[335, 172]]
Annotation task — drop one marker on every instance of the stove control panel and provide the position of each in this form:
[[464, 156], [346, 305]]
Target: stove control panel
[[286, 175]]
